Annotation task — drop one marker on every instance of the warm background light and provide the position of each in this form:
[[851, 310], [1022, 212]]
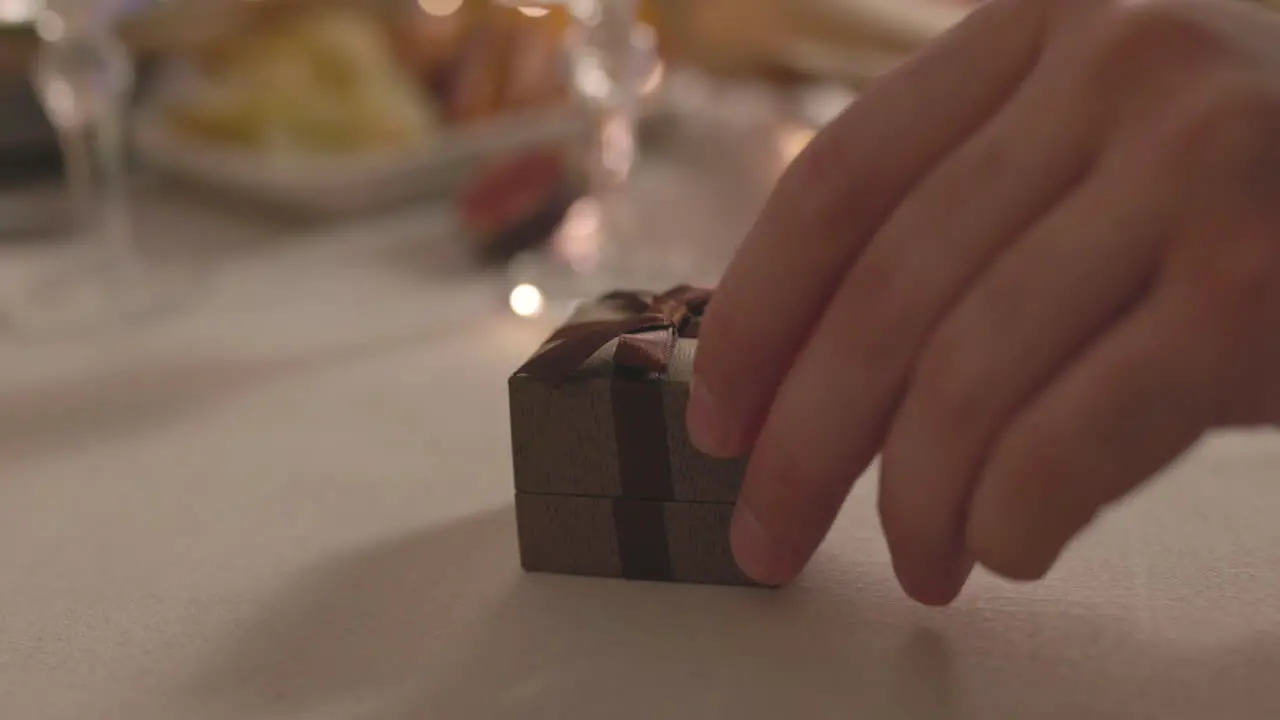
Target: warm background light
[[526, 301], [792, 141]]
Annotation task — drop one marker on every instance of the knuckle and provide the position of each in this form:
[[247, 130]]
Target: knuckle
[[873, 301], [1235, 123], [1153, 30], [794, 487], [1232, 290], [1135, 41], [731, 355], [947, 386], [823, 165], [872, 282]]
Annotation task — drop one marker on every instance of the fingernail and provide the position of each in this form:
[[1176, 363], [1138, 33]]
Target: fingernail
[[755, 551], [708, 424]]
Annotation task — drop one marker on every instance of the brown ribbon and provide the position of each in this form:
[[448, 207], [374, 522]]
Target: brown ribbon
[[646, 329]]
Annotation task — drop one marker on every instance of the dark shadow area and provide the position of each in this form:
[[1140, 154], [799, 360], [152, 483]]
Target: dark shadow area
[[370, 624], [445, 625]]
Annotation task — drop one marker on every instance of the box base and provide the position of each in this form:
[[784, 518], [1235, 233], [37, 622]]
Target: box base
[[634, 539]]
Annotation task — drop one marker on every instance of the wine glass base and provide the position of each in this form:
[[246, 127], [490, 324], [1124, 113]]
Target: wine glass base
[[87, 298]]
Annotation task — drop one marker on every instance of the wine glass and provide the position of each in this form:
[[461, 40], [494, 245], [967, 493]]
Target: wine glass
[[84, 76], [605, 241]]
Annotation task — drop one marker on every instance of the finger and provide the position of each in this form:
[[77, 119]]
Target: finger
[[830, 202], [1132, 404], [828, 417], [1057, 287]]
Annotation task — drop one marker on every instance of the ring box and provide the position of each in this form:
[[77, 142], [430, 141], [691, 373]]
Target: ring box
[[607, 482]]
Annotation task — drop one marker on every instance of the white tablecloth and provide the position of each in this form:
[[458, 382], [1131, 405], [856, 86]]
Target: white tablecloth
[[294, 501]]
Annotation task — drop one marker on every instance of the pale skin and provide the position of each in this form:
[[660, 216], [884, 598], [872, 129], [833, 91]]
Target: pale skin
[[1028, 270]]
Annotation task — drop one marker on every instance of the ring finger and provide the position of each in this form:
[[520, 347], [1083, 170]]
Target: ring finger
[[1028, 314]]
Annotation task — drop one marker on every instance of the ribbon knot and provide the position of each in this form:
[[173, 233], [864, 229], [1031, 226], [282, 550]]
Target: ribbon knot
[[645, 325]]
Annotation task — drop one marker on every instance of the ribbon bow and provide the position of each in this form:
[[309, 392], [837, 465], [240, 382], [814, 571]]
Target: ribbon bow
[[646, 329]]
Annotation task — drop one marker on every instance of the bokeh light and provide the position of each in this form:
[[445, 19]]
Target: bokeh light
[[526, 301]]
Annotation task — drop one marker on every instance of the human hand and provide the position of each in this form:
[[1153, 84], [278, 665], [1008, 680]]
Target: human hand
[[1029, 270]]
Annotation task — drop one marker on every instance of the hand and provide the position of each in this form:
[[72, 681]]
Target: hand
[[1029, 269]]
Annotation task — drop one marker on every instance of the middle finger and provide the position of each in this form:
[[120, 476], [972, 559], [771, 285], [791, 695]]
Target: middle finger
[[1037, 305], [831, 411]]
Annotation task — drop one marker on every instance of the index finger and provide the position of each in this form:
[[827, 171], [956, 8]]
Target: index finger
[[831, 201]]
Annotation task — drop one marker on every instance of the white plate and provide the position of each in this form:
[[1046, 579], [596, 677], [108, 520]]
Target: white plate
[[854, 65], [339, 185], [860, 40], [903, 23]]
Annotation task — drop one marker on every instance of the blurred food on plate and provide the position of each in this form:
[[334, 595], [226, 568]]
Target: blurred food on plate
[[342, 78], [484, 59], [323, 82]]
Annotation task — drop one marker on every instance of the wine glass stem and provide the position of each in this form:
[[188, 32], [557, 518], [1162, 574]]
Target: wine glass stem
[[613, 111], [117, 214], [613, 149], [78, 174], [97, 189]]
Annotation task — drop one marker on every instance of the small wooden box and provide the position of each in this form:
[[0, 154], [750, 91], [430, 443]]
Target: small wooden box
[[615, 537], [607, 482]]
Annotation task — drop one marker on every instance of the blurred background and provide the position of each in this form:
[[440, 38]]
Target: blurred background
[[547, 149], [550, 148]]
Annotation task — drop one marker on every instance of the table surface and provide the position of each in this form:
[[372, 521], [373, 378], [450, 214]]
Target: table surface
[[294, 501]]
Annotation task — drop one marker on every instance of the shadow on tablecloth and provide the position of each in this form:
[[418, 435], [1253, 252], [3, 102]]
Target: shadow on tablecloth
[[443, 625]]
